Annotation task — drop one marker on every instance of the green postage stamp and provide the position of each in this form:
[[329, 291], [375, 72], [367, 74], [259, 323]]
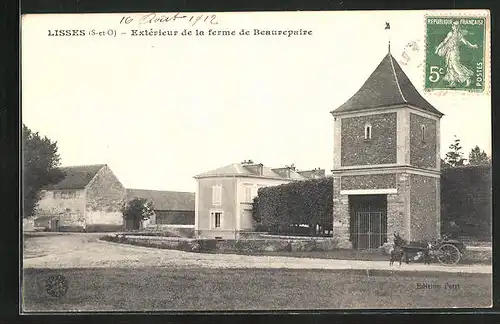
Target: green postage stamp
[[455, 53]]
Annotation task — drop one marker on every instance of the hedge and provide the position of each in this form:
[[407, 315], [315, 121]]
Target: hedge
[[465, 199], [103, 228], [303, 202]]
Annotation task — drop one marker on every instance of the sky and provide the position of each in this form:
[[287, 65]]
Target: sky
[[160, 109]]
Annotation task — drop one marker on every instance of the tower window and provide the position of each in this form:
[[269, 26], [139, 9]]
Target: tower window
[[423, 133], [368, 131]]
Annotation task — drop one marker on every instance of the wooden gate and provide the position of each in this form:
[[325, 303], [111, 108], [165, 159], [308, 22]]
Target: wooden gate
[[368, 221]]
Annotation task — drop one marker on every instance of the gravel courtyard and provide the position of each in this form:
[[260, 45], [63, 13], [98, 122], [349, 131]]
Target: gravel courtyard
[[77, 250]]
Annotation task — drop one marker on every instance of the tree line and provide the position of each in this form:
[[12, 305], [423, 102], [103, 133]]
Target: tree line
[[455, 157]]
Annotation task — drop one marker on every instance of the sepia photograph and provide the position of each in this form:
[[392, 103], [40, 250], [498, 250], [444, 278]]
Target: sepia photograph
[[256, 161]]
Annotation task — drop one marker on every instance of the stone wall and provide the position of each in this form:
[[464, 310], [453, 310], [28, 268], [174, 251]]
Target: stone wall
[[423, 208], [212, 234], [341, 216], [369, 181], [380, 149], [105, 196], [66, 205], [422, 151], [397, 204], [397, 208], [226, 246]]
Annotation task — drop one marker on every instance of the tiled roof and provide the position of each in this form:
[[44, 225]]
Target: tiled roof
[[165, 200], [76, 177], [239, 169], [387, 86]]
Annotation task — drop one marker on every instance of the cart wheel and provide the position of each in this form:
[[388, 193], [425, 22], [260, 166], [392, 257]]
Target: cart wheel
[[448, 254]]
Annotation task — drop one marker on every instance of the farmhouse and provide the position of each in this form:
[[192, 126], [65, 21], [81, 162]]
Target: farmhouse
[[170, 207], [386, 171], [89, 196], [224, 196]]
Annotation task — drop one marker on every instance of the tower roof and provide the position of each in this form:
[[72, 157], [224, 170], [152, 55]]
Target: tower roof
[[387, 86]]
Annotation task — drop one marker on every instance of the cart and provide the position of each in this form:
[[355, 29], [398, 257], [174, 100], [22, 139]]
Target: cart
[[445, 250]]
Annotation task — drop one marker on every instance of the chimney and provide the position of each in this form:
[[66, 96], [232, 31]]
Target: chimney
[[313, 174], [283, 172], [255, 168]]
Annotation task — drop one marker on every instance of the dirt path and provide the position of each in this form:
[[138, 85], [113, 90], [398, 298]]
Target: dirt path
[[86, 251]]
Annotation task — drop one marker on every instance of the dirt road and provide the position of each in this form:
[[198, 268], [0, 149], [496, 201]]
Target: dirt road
[[86, 251]]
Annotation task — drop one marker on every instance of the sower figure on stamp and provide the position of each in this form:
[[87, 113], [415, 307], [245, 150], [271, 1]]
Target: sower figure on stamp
[[449, 48]]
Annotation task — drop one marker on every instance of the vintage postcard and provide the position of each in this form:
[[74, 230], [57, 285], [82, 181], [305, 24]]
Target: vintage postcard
[[265, 161]]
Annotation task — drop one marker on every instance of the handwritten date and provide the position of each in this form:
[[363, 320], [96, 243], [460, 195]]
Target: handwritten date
[[153, 18]]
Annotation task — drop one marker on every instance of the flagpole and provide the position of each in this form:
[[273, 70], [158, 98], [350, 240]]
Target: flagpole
[[388, 29]]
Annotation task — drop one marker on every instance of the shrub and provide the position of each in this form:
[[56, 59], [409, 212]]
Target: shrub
[[261, 228], [207, 245], [303, 202]]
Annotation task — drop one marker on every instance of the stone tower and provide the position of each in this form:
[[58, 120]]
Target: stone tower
[[386, 168]]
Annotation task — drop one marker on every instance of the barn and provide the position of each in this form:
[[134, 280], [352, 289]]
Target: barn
[[170, 207]]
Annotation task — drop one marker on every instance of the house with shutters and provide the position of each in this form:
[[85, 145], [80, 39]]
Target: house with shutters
[[224, 196], [386, 171], [89, 197]]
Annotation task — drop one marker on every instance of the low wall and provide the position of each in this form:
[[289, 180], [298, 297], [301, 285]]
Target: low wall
[[103, 228], [211, 245], [301, 238], [180, 230]]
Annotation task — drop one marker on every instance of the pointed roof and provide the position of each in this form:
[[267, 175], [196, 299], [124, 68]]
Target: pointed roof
[[239, 170], [387, 86], [76, 177]]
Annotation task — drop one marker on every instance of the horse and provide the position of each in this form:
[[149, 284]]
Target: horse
[[401, 251], [397, 252]]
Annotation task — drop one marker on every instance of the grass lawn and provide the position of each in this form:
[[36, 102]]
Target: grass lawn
[[116, 289]]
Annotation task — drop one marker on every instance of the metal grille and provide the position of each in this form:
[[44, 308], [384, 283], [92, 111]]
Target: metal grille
[[370, 228]]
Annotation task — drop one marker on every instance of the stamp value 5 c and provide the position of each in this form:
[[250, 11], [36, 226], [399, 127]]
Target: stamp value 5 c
[[455, 53]]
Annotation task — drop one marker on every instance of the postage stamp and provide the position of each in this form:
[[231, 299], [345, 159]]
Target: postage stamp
[[455, 53], [218, 161]]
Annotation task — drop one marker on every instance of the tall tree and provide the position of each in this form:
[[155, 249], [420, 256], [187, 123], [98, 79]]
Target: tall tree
[[40, 162], [455, 157], [478, 157], [444, 165]]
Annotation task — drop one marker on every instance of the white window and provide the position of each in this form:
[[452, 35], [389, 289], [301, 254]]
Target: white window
[[423, 133], [216, 195], [248, 193], [368, 131], [216, 219]]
